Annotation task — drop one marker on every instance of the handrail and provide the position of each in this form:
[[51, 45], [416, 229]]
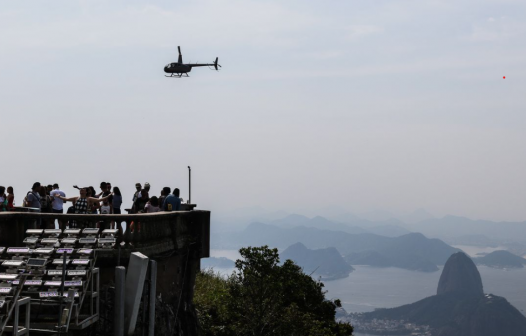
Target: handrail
[[139, 216], [153, 233]]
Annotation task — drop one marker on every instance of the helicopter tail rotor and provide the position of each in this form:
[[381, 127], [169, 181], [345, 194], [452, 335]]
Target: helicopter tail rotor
[[216, 64]]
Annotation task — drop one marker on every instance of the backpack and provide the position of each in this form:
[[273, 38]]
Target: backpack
[[44, 202], [24, 202]]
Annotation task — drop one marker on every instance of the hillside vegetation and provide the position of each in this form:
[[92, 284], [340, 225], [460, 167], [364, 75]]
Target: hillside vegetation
[[264, 298]]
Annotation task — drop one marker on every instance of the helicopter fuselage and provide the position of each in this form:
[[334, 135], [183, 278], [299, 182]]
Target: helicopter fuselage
[[177, 68]]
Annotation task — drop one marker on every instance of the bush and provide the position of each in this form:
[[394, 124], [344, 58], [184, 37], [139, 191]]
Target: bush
[[263, 298]]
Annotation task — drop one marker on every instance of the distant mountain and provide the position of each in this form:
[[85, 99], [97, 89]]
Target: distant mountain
[[460, 308], [214, 262], [433, 250], [377, 215], [327, 262], [238, 219], [460, 276], [501, 259], [416, 216], [388, 228], [454, 226], [413, 251], [319, 222], [473, 240], [346, 217]]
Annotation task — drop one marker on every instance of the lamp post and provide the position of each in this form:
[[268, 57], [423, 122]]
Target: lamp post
[[189, 185]]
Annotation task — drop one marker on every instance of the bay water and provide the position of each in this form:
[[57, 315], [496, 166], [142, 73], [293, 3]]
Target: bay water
[[368, 287]]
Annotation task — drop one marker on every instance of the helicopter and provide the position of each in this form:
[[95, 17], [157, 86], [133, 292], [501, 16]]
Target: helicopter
[[177, 70]]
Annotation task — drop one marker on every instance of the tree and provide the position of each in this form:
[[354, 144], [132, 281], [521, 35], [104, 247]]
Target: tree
[[264, 298]]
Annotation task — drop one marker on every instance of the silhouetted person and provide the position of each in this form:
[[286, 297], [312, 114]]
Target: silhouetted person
[[3, 199], [117, 200], [172, 201], [57, 205], [10, 198], [165, 192], [33, 197]]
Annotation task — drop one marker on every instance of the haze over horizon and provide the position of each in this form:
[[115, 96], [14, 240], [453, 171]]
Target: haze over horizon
[[361, 105]]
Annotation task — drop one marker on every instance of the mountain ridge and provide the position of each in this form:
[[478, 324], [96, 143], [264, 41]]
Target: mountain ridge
[[413, 251], [326, 262], [460, 307]]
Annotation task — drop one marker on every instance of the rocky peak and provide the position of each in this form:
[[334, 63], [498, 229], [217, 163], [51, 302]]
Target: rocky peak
[[460, 275]]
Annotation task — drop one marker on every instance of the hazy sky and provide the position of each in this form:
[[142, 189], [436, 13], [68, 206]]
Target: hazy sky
[[392, 105]]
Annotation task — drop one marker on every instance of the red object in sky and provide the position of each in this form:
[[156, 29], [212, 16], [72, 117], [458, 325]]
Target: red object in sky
[[503, 77]]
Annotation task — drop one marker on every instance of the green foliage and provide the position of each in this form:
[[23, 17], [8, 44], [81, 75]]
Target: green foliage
[[210, 297], [264, 298]]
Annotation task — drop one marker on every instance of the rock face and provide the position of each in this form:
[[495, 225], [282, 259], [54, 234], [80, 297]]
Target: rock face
[[327, 263], [501, 259], [460, 308], [460, 275]]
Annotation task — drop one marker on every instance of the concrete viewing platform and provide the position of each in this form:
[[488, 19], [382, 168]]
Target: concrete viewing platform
[[73, 280]]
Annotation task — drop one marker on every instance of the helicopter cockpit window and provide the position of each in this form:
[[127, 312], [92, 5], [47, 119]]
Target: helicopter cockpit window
[[169, 65]]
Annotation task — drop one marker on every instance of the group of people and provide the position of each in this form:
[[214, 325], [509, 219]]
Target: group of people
[[50, 199], [7, 202]]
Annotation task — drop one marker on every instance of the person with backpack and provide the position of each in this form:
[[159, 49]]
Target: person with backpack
[[32, 199], [45, 207], [172, 202], [45, 200]]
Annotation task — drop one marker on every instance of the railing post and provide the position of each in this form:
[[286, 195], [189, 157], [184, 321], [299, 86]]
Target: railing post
[[135, 237], [153, 289], [118, 320], [127, 234]]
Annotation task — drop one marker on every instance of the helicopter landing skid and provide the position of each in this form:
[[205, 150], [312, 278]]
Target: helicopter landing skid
[[177, 75]]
